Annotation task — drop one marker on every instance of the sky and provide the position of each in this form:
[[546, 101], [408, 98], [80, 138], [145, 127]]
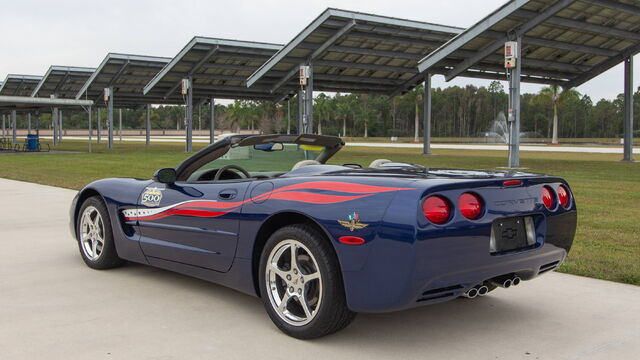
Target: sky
[[37, 34]]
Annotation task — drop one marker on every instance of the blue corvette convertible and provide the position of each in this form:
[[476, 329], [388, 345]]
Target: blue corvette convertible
[[267, 215]]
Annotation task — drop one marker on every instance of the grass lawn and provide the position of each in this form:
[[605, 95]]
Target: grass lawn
[[607, 244]]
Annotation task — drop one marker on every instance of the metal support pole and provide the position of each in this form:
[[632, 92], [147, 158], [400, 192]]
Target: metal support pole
[[60, 128], [38, 123], [4, 125], [309, 98], [90, 137], [29, 123], [426, 149], [514, 107], [300, 111], [628, 109], [189, 117], [110, 119], [148, 125], [13, 127], [288, 116], [120, 123], [212, 125], [54, 122], [99, 126]]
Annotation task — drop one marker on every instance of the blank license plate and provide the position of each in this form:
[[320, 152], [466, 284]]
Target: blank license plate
[[512, 233]]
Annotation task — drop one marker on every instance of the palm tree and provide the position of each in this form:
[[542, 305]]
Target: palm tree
[[365, 112], [557, 98], [323, 109], [236, 114], [414, 97], [344, 107]]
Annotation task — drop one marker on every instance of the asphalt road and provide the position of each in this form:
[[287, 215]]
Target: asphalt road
[[53, 307], [499, 147]]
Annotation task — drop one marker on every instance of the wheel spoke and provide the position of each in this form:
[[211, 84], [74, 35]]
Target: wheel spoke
[[294, 256], [279, 272], [303, 302], [94, 248], [86, 219], [310, 277], [283, 303], [85, 237], [97, 222]]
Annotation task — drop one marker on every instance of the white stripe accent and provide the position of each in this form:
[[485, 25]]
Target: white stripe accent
[[137, 213]]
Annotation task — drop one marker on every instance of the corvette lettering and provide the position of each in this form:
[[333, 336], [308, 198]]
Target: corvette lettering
[[523, 201]]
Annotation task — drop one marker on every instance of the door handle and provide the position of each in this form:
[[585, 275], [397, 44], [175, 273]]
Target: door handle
[[227, 194]]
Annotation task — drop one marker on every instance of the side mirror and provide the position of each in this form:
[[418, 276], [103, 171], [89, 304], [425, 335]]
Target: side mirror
[[165, 176]]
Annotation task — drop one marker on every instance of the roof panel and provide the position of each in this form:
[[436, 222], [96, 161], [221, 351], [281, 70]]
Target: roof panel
[[127, 74], [565, 42], [219, 68], [19, 85], [62, 81], [340, 41]]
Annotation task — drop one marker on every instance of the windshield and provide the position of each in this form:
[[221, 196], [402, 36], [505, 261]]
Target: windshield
[[266, 160]]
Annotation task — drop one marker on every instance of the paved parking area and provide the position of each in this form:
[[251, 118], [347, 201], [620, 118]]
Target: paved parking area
[[53, 307]]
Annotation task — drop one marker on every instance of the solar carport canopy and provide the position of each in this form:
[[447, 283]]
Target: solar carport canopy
[[218, 68], [126, 75], [565, 42], [354, 52], [19, 85], [62, 81]]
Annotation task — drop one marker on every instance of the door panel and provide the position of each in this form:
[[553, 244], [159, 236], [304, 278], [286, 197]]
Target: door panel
[[192, 223]]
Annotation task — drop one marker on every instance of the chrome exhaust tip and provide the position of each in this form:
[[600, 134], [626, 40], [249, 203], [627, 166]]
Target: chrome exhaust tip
[[483, 290], [471, 293], [503, 282], [516, 281]]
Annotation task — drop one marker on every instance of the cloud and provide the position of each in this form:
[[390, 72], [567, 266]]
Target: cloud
[[37, 34]]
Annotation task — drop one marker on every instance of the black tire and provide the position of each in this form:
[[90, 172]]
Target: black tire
[[108, 257], [332, 314]]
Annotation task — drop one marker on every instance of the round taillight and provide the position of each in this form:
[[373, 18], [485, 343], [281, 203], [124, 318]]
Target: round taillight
[[436, 209], [547, 197], [470, 206], [563, 196]]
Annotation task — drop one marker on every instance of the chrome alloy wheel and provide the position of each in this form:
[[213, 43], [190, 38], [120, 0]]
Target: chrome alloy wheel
[[294, 281], [92, 233]]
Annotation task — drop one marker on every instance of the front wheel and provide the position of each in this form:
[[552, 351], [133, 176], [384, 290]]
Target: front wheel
[[95, 237], [301, 284]]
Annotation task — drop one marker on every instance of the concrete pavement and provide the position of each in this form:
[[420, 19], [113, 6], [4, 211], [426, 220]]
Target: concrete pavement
[[54, 307]]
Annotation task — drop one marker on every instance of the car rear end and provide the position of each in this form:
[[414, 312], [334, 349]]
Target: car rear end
[[456, 237]]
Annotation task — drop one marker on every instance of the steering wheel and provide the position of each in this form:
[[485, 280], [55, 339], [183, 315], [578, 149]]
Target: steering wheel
[[229, 167]]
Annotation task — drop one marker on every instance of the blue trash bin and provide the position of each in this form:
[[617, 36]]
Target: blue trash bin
[[32, 142]]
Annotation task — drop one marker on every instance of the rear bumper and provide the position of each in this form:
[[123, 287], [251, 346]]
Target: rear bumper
[[399, 275]]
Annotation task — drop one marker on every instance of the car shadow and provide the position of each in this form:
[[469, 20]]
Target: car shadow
[[434, 325]]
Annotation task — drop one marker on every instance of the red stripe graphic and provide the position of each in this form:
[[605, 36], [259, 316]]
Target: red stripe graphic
[[186, 212], [340, 186], [314, 198], [200, 208]]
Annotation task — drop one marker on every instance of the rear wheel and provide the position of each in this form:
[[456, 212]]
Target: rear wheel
[[301, 284], [95, 237]]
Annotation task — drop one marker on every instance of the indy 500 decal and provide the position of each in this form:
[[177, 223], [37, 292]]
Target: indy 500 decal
[[151, 196]]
